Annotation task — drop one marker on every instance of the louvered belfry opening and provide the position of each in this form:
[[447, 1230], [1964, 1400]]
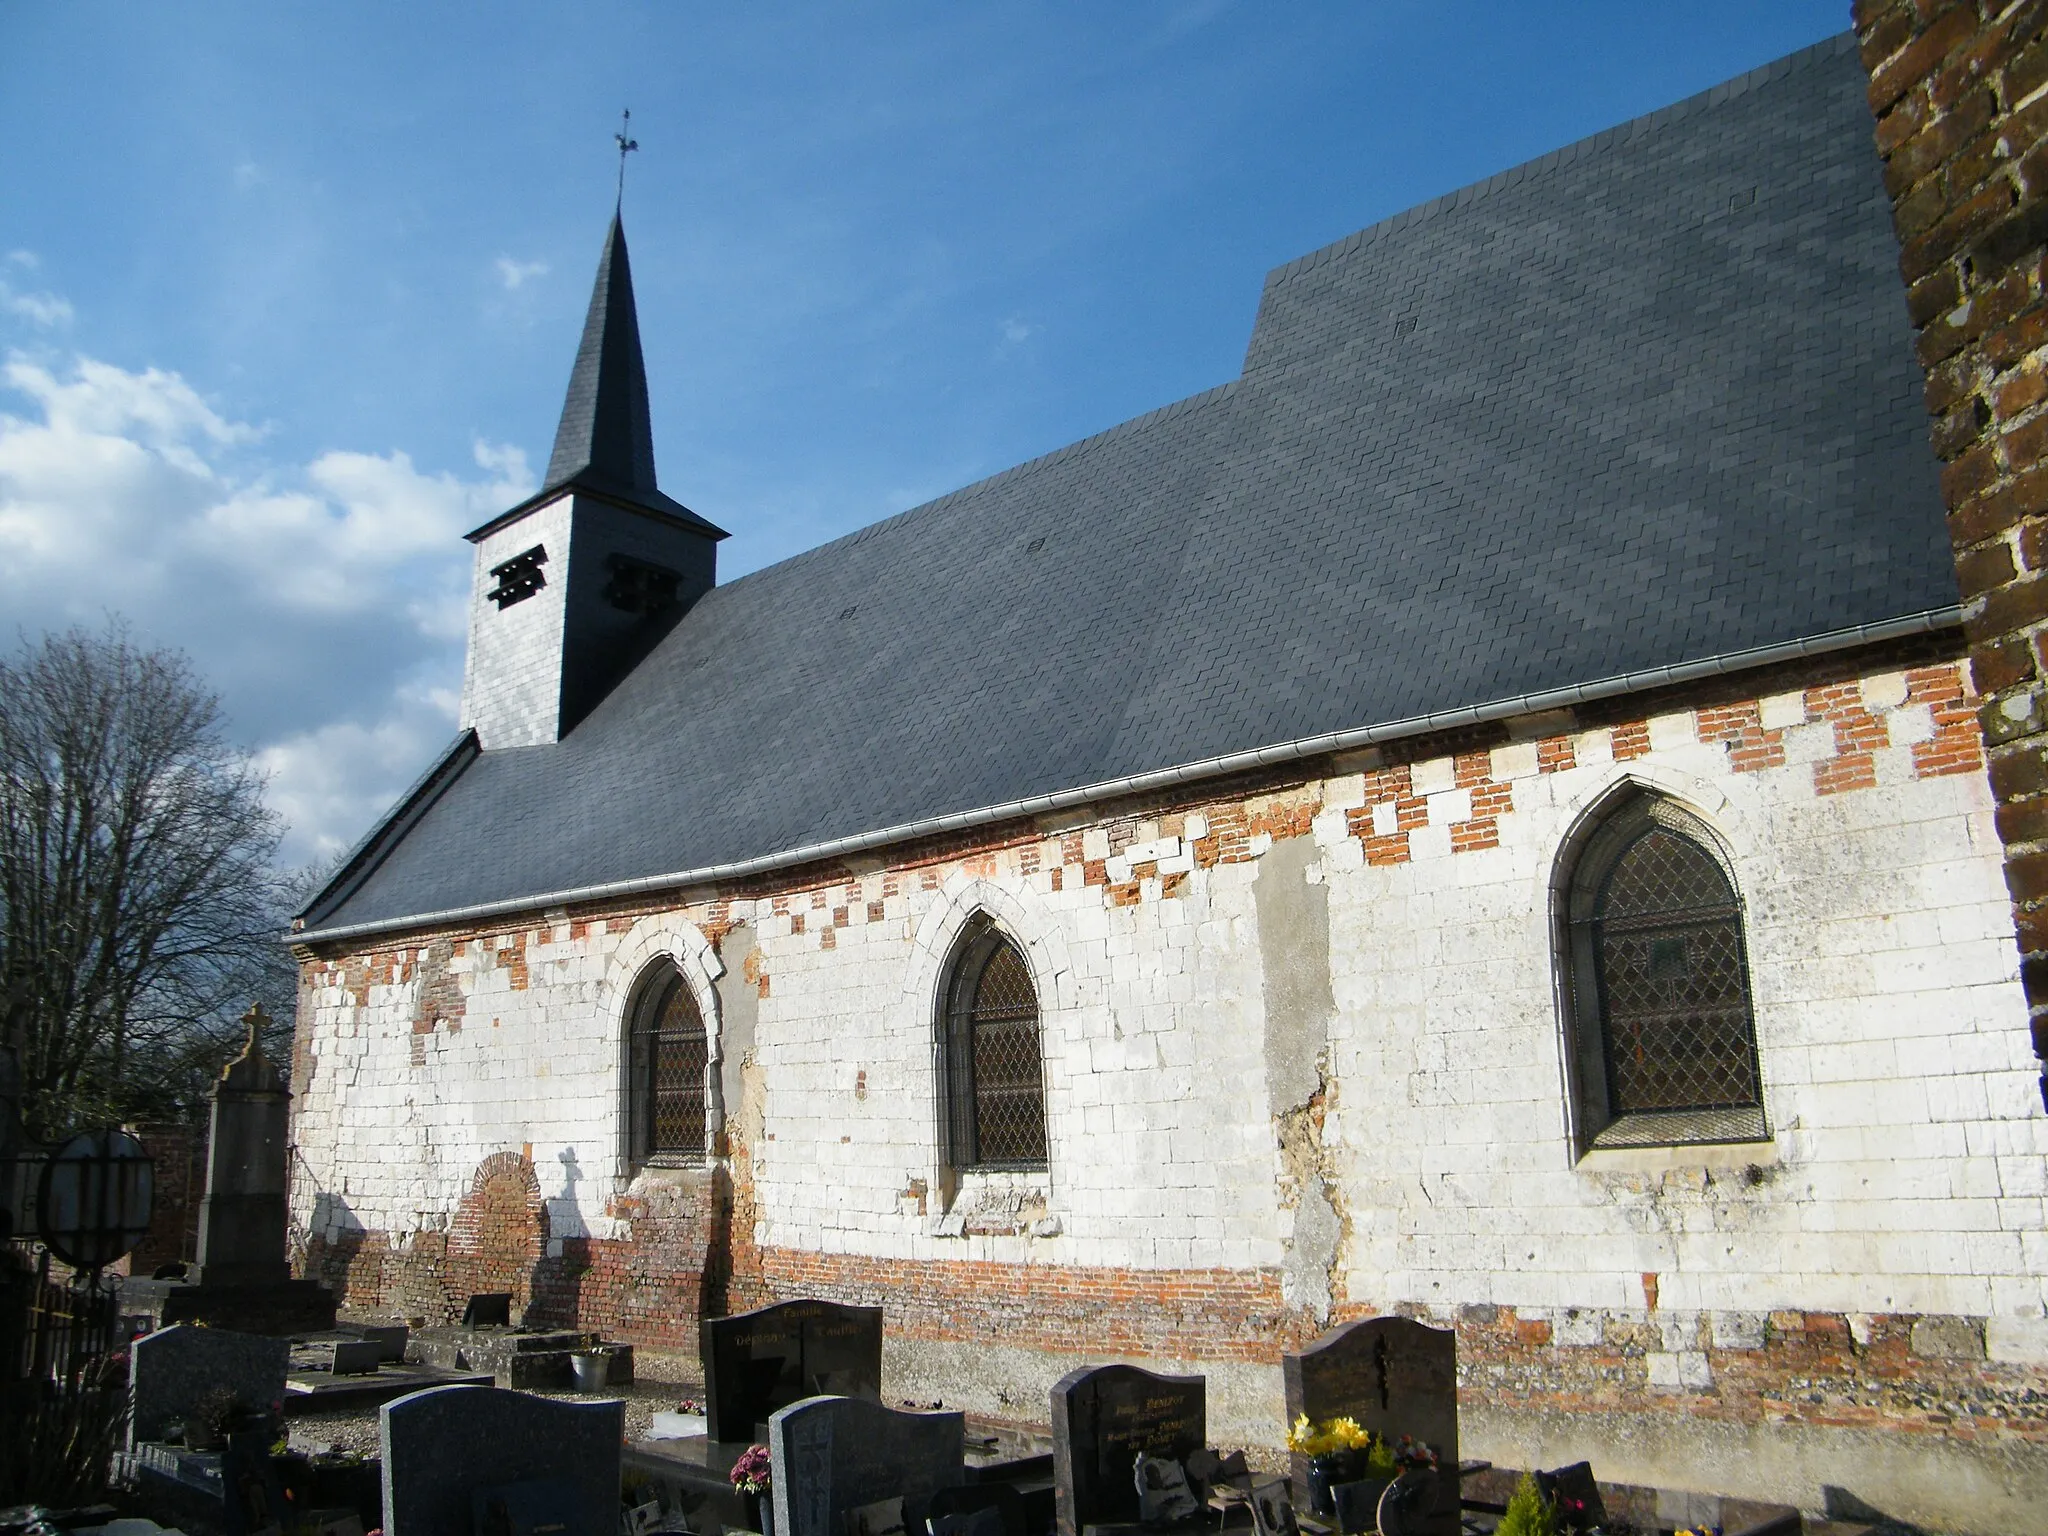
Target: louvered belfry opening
[[1673, 980], [994, 1071], [670, 1060]]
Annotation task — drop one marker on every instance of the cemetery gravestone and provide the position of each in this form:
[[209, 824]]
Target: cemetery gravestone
[[243, 1278], [1395, 1377], [173, 1368], [444, 1447], [242, 1217], [357, 1357], [1103, 1420], [757, 1362], [390, 1339], [832, 1455]]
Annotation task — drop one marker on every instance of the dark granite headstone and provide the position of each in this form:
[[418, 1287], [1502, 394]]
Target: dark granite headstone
[[756, 1362], [357, 1357], [442, 1446], [832, 1455], [1576, 1494], [527, 1509], [1102, 1421], [390, 1339], [1357, 1505], [172, 1369], [1395, 1377]]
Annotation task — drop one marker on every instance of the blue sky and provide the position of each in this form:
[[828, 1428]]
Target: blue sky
[[288, 295]]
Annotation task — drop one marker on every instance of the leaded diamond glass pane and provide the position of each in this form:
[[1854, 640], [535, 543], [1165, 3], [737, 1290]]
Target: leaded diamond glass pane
[[677, 1057], [1009, 1099], [1673, 981]]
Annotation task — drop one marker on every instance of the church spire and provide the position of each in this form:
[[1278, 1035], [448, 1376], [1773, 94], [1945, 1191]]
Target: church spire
[[606, 436]]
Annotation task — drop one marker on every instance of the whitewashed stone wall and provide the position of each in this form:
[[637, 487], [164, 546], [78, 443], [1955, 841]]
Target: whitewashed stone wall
[[1904, 1174]]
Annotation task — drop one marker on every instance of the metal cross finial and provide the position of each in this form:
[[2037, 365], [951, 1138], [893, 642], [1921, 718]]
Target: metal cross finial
[[626, 147]]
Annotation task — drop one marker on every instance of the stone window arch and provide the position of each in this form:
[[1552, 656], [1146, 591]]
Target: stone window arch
[[668, 1070], [1662, 1021], [991, 1054]]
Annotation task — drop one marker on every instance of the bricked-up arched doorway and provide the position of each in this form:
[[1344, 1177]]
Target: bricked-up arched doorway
[[500, 1233]]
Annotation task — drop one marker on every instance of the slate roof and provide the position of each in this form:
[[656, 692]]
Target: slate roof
[[605, 440], [1646, 400]]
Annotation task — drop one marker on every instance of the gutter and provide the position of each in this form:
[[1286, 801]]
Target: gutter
[[1926, 622]]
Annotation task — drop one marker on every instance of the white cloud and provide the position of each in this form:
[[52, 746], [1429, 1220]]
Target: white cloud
[[324, 600], [27, 259], [47, 310], [247, 174], [517, 274], [332, 782], [1016, 330]]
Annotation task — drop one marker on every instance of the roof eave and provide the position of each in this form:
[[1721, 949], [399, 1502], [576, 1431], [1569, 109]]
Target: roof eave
[[1925, 622], [657, 505], [369, 853]]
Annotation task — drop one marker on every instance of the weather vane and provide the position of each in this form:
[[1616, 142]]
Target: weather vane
[[626, 147]]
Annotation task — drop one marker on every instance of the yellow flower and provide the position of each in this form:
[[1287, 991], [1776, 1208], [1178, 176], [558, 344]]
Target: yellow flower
[[1347, 1434]]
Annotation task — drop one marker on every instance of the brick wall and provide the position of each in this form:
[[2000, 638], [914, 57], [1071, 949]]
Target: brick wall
[[1960, 93], [179, 1150]]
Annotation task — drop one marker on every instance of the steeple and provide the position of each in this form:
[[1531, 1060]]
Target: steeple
[[605, 435], [576, 584]]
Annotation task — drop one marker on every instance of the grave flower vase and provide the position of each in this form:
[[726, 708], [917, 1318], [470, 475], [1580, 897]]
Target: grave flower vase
[[761, 1511], [1328, 1470]]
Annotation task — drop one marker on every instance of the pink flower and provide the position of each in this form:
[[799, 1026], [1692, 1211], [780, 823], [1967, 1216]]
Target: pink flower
[[753, 1472]]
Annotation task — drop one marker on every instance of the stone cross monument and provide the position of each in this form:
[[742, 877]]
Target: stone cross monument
[[242, 1217], [243, 1279]]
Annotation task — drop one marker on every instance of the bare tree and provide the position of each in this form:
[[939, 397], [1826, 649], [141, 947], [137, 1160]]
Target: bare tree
[[138, 911]]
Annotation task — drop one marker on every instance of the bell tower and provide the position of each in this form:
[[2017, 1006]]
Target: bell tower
[[576, 584]]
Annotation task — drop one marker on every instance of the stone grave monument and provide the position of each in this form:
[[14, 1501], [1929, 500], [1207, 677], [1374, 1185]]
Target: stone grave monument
[[835, 1455], [175, 1376], [172, 1369], [1395, 1377], [756, 1362], [459, 1459], [242, 1279], [1103, 1420]]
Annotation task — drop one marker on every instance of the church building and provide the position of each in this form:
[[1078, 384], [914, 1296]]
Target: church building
[[1480, 816]]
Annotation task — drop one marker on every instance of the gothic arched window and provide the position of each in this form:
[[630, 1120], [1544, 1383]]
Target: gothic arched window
[[668, 1060], [991, 1065], [1665, 1034]]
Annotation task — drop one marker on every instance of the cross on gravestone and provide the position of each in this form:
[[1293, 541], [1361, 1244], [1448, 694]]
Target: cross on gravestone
[[831, 1455], [172, 1369], [242, 1217], [445, 1446], [1395, 1377], [1102, 1421], [756, 1362]]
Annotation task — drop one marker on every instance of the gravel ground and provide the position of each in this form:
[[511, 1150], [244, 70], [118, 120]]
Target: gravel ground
[[660, 1383]]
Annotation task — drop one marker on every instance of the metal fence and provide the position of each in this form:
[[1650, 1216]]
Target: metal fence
[[54, 1324]]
